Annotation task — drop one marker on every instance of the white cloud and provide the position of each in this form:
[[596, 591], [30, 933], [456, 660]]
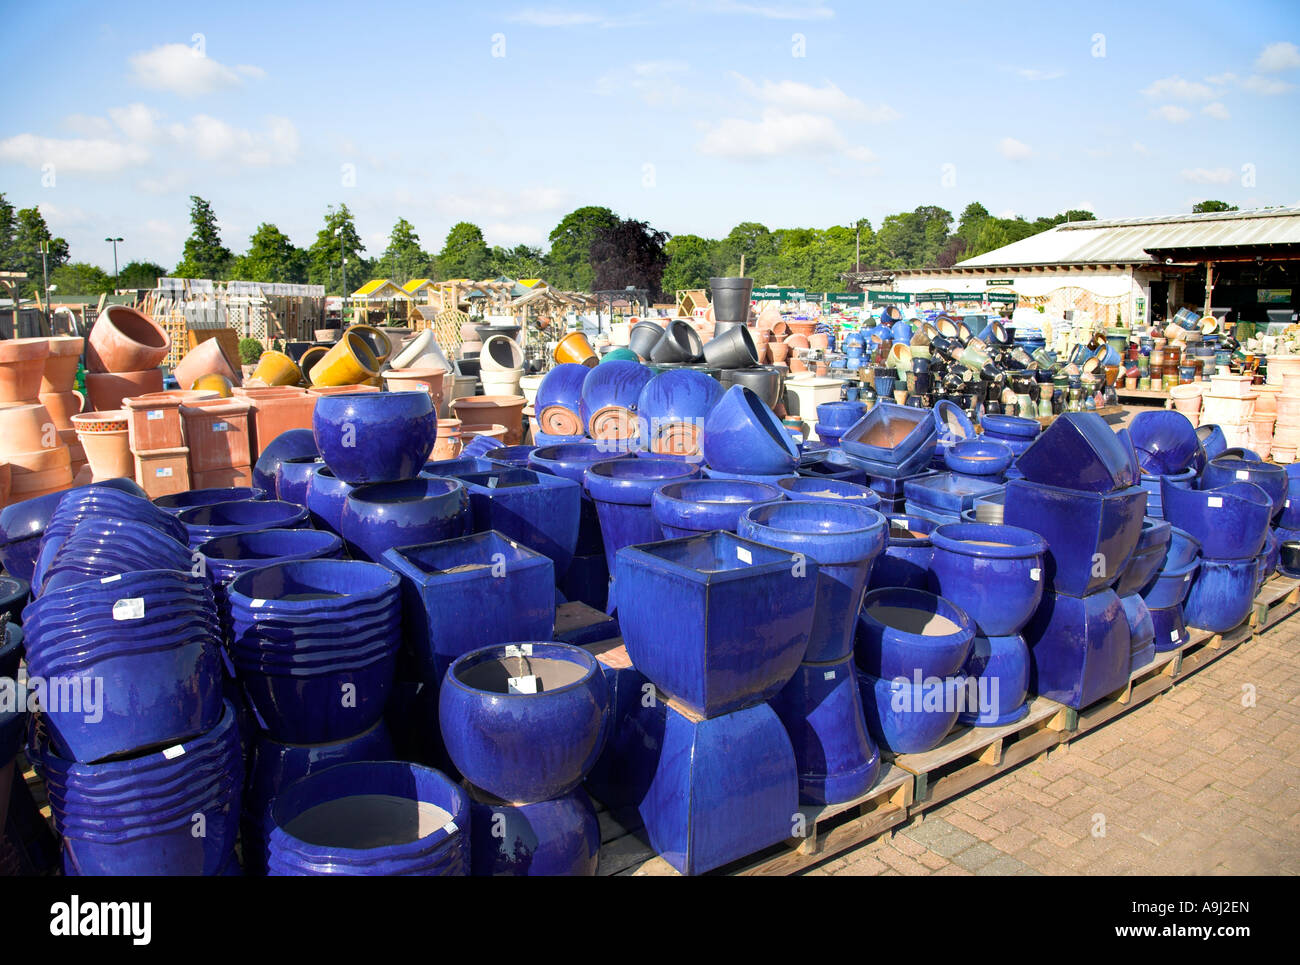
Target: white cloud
[[211, 139], [1208, 176], [776, 134], [136, 121], [1007, 213], [95, 155], [1172, 113], [1032, 73], [500, 205], [1222, 80], [1176, 88], [169, 183], [1216, 110], [1266, 85], [794, 97], [509, 233], [183, 70], [60, 217], [654, 80], [1279, 56], [553, 18], [1140, 148], [810, 10], [87, 125], [1014, 150]]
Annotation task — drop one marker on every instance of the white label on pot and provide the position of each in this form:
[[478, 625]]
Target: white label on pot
[[1215, 502], [1288, 504], [1187, 577], [492, 482], [744, 555], [1173, 635], [1035, 574], [1243, 474], [828, 675], [154, 415], [172, 753], [257, 603], [450, 827], [523, 685], [221, 427], [111, 579], [163, 472], [520, 650], [129, 609]]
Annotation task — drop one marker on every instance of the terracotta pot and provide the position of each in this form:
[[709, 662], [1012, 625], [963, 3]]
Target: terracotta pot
[[34, 474], [506, 410], [163, 472], [154, 419], [348, 362], [491, 431], [797, 341], [797, 365], [206, 358], [449, 442], [218, 434], [276, 368], [1280, 366], [4, 484], [105, 437], [804, 328], [429, 380], [125, 340], [779, 351], [106, 390], [469, 332], [22, 364], [62, 406], [276, 410], [220, 385], [76, 451], [237, 476], [819, 340], [574, 347], [26, 427], [340, 389], [60, 374]]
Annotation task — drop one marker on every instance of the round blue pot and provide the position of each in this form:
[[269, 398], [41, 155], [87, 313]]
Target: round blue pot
[[1268, 477], [369, 437], [291, 444], [623, 490], [1229, 522], [902, 631], [523, 747], [821, 709], [1221, 595], [374, 818], [951, 422], [999, 670], [315, 590], [1183, 549], [829, 434], [1153, 484], [1010, 426], [1213, 441], [908, 551], [1148, 557], [911, 715], [293, 476], [203, 523], [1169, 587], [844, 540], [672, 408], [1290, 516], [1141, 631], [742, 435], [1165, 440], [176, 502], [384, 515], [229, 556], [993, 573], [610, 393], [815, 489], [101, 548], [840, 415], [559, 397], [572, 460], [560, 836], [703, 505], [326, 495], [1168, 628], [978, 457], [98, 506]]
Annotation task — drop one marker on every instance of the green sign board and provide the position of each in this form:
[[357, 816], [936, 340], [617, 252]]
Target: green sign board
[[814, 296], [1009, 298], [847, 298], [966, 296], [766, 295], [900, 298], [1274, 296], [990, 282], [936, 297]]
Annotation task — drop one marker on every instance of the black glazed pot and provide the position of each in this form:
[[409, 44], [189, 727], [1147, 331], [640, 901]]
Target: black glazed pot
[[680, 343], [763, 380], [733, 349], [644, 337]]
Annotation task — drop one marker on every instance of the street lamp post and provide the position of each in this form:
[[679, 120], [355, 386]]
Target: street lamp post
[[114, 242], [343, 267]]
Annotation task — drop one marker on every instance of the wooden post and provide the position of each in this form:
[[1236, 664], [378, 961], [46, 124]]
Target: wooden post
[[1209, 286]]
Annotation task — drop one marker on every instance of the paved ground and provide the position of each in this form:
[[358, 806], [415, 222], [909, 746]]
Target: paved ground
[[1195, 782]]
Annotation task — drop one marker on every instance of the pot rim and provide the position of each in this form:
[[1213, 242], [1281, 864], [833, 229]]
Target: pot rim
[[547, 649]]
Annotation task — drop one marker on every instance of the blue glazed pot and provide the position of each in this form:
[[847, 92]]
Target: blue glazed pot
[[609, 398], [1213, 441], [829, 469], [11, 651], [1166, 441], [905, 561], [1221, 595], [716, 621], [203, 523], [360, 829], [889, 433], [1090, 536], [573, 459], [623, 490], [455, 467], [840, 415], [380, 516], [1079, 648], [1227, 470], [452, 597], [1148, 557], [1078, 450], [176, 502], [98, 549], [293, 476], [901, 631], [828, 434], [948, 493], [821, 709], [742, 435], [703, 505], [559, 398], [556, 837], [993, 573], [884, 386], [1183, 549], [1229, 522], [229, 556], [951, 423], [709, 773], [291, 444], [1010, 426], [1169, 586], [844, 540], [999, 670], [804, 488], [541, 511], [1290, 516], [1169, 629], [1153, 484], [627, 765], [98, 506], [1141, 632], [524, 746], [911, 715], [23, 523], [672, 408], [326, 496], [978, 457], [315, 591], [509, 457], [908, 467], [370, 437], [543, 439]]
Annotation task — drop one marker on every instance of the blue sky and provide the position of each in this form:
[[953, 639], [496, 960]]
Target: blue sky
[[691, 115]]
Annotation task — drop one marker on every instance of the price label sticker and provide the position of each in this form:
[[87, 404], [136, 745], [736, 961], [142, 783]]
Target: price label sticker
[[1243, 474], [744, 555], [828, 675], [172, 753], [154, 415], [519, 650], [1214, 502], [221, 427], [523, 685], [111, 579], [1173, 635], [1036, 574], [492, 482], [256, 603], [131, 608], [163, 472], [450, 827]]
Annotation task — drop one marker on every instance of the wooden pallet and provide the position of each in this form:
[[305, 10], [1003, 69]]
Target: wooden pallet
[[971, 755], [1279, 598], [1205, 647]]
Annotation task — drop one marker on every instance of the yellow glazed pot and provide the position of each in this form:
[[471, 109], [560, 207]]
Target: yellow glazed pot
[[276, 368], [310, 358], [380, 345], [348, 362], [214, 382], [574, 347]]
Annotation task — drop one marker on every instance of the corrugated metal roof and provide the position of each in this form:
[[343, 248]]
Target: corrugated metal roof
[[1129, 241]]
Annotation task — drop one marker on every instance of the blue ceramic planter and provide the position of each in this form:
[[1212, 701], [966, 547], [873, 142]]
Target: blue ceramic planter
[[1010, 426], [1079, 648], [889, 433], [821, 709], [22, 524], [951, 423], [844, 540], [1183, 549], [804, 488], [742, 435], [1141, 632], [176, 502], [291, 444], [672, 408], [464, 594], [978, 457], [716, 621], [1290, 516], [993, 573], [1078, 450], [998, 668], [905, 561], [1148, 557], [609, 398], [948, 493], [518, 745], [902, 631], [840, 415], [571, 461], [508, 457], [1169, 629], [383, 515], [1221, 595], [98, 549], [1227, 470], [370, 437], [293, 476], [1090, 536], [913, 714], [905, 467], [723, 788], [1153, 486], [703, 505], [829, 469], [541, 511], [367, 818], [627, 765], [1169, 587], [1165, 440], [556, 837], [1229, 522], [203, 523], [326, 496], [559, 397], [828, 434], [229, 556], [1213, 441], [455, 467]]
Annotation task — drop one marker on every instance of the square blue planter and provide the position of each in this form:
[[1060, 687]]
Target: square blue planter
[[716, 621], [537, 509], [890, 488], [1078, 647], [627, 765], [475, 591], [587, 580], [948, 493]]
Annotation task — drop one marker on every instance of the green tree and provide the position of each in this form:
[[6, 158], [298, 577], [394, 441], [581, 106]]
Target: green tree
[[8, 228], [568, 265], [272, 257], [1205, 207], [756, 243], [404, 259], [204, 256], [631, 253], [464, 254], [80, 278], [521, 261], [336, 240], [690, 263], [912, 239], [29, 233], [140, 274]]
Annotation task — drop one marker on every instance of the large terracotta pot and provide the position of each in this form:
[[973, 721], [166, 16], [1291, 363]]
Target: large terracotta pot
[[26, 427], [1280, 366], [506, 410], [125, 340], [206, 358], [348, 362], [106, 390], [4, 486], [424, 379], [60, 373], [488, 431], [62, 406], [22, 363], [103, 436], [43, 469], [275, 368]]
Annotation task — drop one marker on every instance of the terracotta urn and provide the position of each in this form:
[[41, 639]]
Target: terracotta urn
[[797, 341], [506, 410], [125, 340], [449, 442], [22, 364], [780, 351], [106, 390], [103, 436], [60, 373], [428, 380], [26, 427], [62, 406], [41, 470], [206, 358], [804, 327], [819, 340]]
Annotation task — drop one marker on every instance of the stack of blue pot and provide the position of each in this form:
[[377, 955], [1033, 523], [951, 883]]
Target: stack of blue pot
[[1148, 558], [1080, 493], [719, 624], [176, 503], [1166, 590], [834, 417], [378, 516], [1169, 451], [891, 441], [1287, 527], [1016, 432], [673, 408], [236, 516], [524, 723], [821, 707]]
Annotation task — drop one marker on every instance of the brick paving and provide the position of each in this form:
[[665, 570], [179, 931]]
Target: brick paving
[[1194, 782]]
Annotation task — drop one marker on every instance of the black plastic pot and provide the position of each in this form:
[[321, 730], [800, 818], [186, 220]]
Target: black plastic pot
[[1290, 557], [679, 343], [731, 298], [733, 349], [644, 337], [764, 381]]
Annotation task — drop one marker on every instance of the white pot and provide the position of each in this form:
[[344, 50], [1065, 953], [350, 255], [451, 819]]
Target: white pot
[[501, 383], [422, 352], [506, 347], [529, 385]]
